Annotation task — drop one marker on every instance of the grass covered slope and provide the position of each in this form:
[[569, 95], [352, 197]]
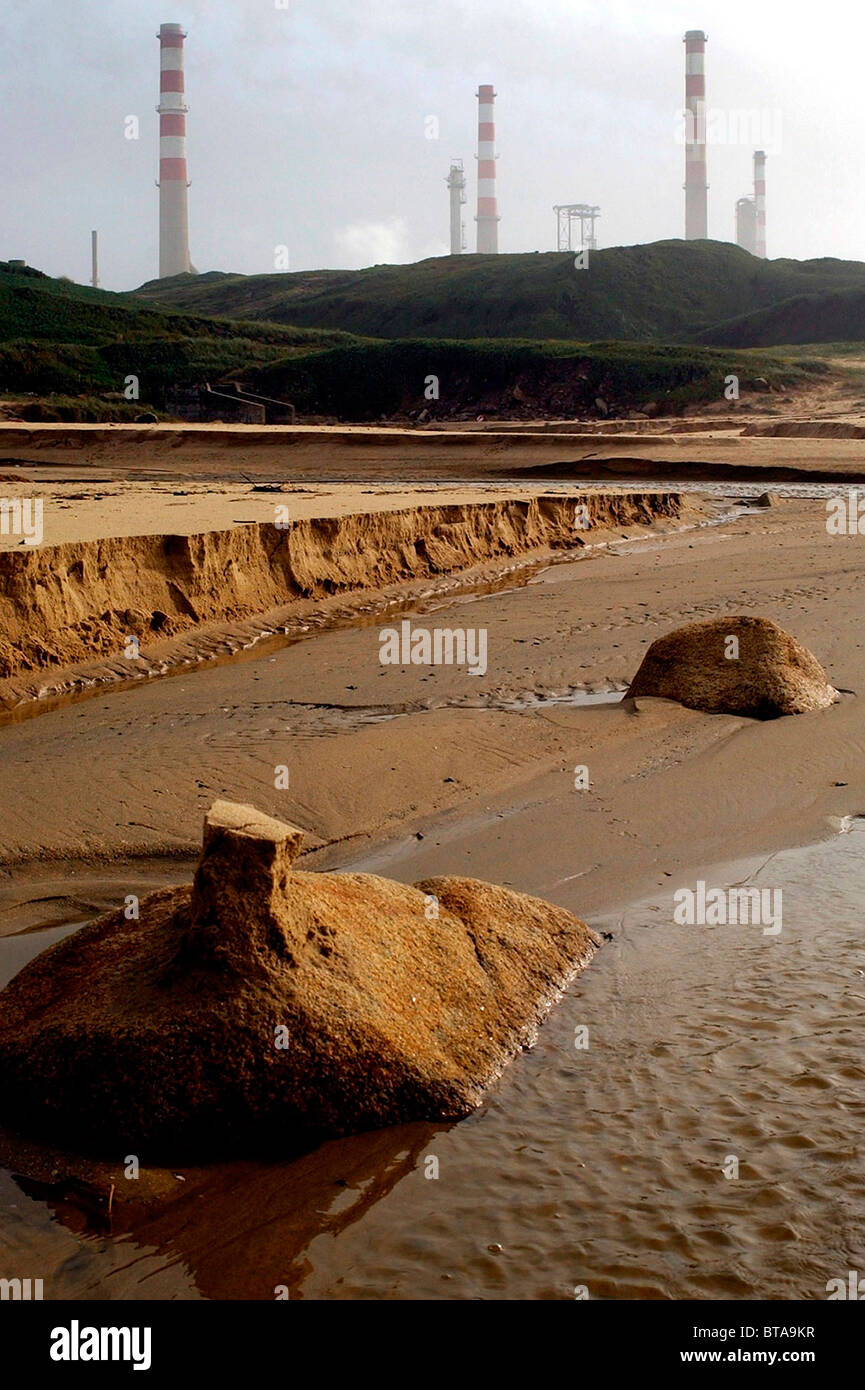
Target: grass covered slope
[[74, 344], [59, 337], [666, 290], [835, 317]]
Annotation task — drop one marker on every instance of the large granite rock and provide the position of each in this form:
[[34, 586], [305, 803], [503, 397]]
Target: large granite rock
[[734, 666], [267, 1009]]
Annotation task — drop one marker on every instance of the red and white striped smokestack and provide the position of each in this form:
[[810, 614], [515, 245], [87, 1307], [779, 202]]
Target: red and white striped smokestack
[[696, 212], [173, 182], [760, 201], [488, 209]]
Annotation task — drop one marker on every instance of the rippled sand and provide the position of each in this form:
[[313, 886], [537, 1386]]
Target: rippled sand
[[599, 1167]]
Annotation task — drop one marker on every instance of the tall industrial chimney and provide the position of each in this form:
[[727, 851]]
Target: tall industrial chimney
[[760, 202], [457, 184], [94, 259], [746, 225], [488, 212], [696, 219], [173, 201]]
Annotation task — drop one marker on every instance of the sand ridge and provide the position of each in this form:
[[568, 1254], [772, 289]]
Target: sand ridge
[[112, 598]]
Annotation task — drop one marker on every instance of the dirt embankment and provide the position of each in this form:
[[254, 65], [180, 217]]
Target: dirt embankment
[[804, 429], [85, 600], [637, 453]]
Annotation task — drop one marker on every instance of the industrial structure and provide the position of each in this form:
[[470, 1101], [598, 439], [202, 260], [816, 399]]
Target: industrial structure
[[569, 213], [696, 187], [488, 211], [751, 212], [760, 202], [94, 260], [456, 182], [173, 182], [746, 225]]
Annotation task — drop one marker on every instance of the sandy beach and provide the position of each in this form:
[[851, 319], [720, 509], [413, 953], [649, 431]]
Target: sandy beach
[[411, 771], [760, 449], [572, 627], [432, 767]]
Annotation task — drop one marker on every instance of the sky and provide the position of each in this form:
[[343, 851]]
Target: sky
[[309, 125]]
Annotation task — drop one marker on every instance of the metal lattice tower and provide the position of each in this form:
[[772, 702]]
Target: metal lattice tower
[[569, 213]]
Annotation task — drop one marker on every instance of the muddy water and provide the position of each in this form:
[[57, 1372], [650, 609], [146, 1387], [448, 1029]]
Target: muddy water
[[601, 1168], [324, 720]]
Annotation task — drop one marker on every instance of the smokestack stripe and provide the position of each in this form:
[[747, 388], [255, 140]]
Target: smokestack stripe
[[696, 197], [488, 212], [173, 176]]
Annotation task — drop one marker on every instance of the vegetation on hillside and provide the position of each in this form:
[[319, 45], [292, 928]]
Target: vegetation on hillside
[[71, 343], [58, 337], [835, 316], [514, 378], [670, 291]]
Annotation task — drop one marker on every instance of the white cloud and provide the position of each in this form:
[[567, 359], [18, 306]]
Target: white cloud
[[372, 243]]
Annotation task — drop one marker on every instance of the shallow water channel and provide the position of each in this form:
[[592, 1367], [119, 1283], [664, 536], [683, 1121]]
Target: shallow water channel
[[601, 1167]]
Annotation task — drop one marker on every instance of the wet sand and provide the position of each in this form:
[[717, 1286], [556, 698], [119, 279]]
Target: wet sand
[[599, 1168], [602, 1168], [765, 447], [441, 742]]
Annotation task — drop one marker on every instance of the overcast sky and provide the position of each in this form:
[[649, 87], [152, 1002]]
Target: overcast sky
[[308, 125]]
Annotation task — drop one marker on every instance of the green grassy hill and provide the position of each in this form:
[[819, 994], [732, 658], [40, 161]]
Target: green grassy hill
[[834, 317], [57, 337], [666, 291]]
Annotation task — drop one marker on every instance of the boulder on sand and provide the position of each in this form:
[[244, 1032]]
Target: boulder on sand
[[266, 1009], [764, 672]]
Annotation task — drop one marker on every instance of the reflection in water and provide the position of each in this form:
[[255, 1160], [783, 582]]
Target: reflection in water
[[243, 1229], [603, 1167]]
